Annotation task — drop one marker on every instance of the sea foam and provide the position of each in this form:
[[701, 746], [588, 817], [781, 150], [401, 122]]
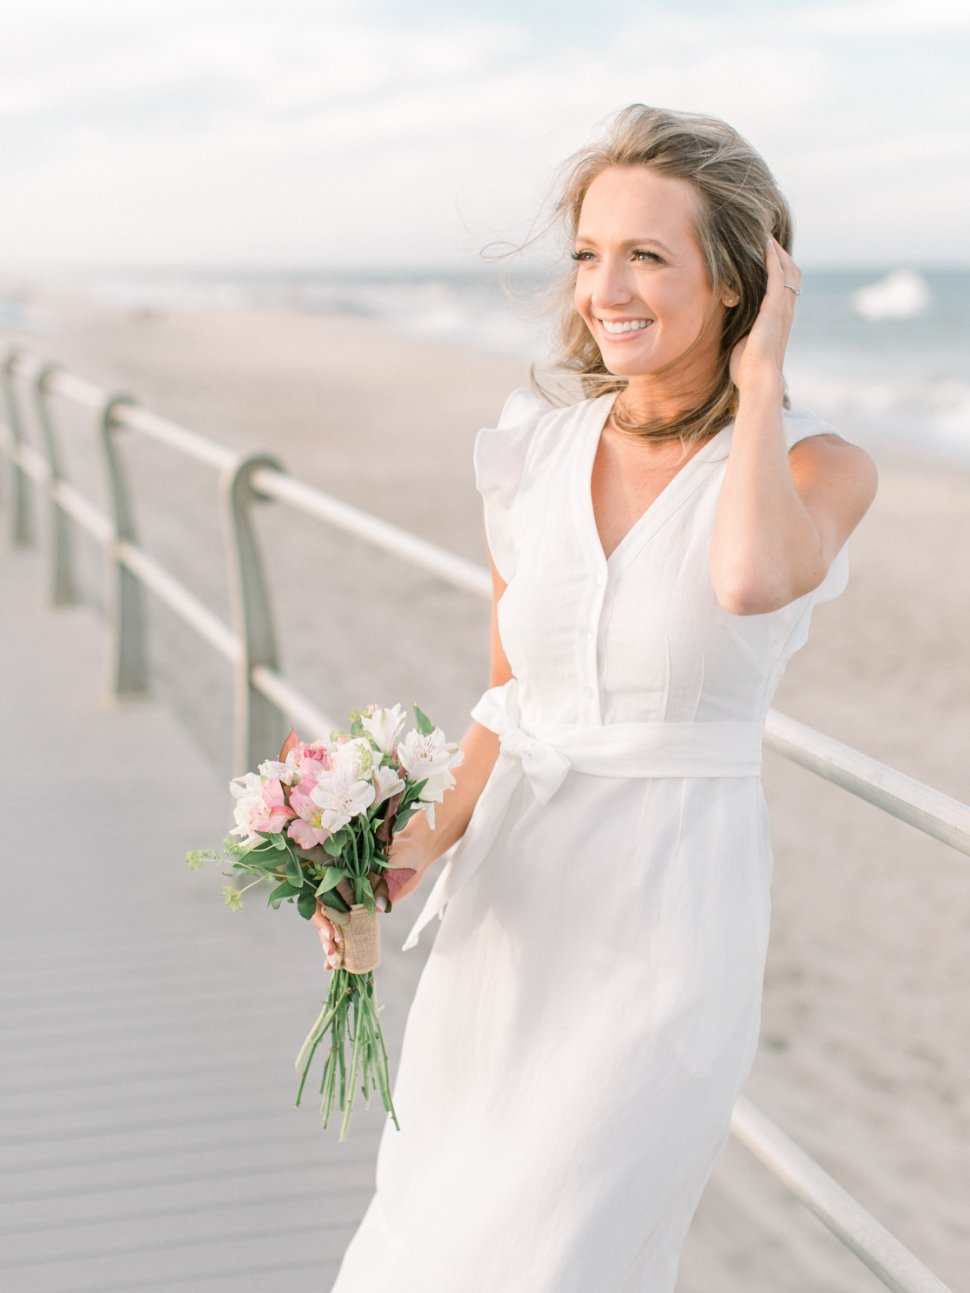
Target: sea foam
[[903, 294]]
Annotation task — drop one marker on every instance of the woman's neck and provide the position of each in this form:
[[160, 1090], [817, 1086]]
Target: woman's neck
[[662, 397]]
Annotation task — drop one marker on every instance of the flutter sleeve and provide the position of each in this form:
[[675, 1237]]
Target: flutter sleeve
[[501, 459], [798, 426]]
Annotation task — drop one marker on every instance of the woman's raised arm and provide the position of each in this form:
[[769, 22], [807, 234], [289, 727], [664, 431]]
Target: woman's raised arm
[[782, 515]]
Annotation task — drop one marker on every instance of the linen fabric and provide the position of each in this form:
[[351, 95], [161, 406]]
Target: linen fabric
[[590, 1007]]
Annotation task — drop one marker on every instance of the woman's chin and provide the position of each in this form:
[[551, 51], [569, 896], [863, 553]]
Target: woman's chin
[[622, 366]]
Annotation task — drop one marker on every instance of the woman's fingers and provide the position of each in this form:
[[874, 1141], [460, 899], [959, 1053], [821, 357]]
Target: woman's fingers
[[331, 942], [764, 346], [782, 267], [330, 938]]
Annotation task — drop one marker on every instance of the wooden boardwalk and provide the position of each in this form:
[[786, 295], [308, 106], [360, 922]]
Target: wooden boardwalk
[[148, 1138]]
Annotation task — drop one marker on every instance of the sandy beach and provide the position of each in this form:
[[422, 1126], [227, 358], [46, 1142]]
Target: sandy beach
[[866, 1028]]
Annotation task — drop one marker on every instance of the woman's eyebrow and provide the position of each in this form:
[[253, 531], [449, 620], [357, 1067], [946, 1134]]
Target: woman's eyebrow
[[629, 242]]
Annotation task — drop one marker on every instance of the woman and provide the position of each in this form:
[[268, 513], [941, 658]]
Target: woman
[[590, 1008]]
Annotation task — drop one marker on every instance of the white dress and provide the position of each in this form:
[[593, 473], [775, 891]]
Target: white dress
[[591, 1005]]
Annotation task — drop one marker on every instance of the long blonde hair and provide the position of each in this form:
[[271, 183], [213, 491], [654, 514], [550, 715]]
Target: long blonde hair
[[740, 205]]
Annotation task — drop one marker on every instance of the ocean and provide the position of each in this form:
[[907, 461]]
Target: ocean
[[884, 354]]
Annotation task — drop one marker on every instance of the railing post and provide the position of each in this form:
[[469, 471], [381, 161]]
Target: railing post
[[259, 723], [21, 521], [128, 671], [62, 585]]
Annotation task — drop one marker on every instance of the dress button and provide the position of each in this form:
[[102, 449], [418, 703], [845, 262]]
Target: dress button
[[600, 580], [590, 635]]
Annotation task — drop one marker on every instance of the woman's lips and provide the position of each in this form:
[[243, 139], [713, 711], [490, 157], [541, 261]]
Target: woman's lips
[[624, 329]]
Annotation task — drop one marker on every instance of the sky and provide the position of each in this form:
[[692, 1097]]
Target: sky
[[406, 134]]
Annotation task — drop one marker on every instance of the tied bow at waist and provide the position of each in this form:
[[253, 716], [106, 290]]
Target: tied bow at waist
[[545, 755]]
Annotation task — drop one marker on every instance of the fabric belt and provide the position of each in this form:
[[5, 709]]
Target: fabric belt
[[546, 753]]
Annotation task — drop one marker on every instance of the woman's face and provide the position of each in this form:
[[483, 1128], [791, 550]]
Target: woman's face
[[642, 286]]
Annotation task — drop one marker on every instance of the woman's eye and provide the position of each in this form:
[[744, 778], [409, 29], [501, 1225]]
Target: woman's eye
[[584, 256], [647, 255]]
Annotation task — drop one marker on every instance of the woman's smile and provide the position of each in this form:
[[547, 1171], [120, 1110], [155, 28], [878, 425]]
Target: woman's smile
[[623, 329]]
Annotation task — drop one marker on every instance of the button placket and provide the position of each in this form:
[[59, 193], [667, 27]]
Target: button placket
[[591, 689]]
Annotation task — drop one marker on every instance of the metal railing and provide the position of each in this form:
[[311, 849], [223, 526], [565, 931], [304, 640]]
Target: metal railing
[[266, 702]]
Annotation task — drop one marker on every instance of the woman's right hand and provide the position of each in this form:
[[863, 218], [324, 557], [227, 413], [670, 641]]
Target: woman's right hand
[[411, 862]]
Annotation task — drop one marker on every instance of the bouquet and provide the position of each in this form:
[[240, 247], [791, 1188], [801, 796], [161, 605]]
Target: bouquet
[[317, 824]]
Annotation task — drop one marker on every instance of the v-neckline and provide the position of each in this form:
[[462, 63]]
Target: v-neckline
[[674, 488]]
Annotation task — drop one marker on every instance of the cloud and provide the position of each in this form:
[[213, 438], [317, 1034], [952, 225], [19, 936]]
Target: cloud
[[299, 132], [876, 21]]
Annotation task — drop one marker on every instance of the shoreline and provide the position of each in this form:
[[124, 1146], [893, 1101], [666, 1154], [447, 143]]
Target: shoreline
[[864, 1030]]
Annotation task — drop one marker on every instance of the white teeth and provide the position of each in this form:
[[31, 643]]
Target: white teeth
[[633, 325]]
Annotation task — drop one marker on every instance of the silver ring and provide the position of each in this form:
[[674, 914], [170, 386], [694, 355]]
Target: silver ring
[[796, 290]]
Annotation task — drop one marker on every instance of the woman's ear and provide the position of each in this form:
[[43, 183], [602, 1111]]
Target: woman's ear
[[730, 298]]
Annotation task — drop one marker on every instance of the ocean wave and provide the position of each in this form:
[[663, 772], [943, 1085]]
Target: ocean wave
[[925, 416], [903, 294]]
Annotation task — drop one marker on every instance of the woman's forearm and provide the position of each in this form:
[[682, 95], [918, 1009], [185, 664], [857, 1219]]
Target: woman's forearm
[[452, 815], [766, 549]]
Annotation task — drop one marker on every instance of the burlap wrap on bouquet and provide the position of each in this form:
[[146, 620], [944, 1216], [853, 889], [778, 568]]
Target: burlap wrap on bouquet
[[360, 937]]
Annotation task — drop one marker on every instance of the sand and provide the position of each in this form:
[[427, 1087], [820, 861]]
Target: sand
[[866, 1029]]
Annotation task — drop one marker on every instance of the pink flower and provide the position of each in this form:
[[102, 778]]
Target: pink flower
[[308, 828], [309, 761], [271, 813]]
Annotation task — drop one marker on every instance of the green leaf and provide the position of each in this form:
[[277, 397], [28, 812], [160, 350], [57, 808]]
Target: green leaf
[[336, 844], [367, 896], [306, 904], [332, 876], [258, 863], [333, 899], [281, 893], [404, 816], [425, 725], [294, 872]]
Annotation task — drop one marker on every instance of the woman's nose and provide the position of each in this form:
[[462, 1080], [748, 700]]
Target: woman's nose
[[612, 284]]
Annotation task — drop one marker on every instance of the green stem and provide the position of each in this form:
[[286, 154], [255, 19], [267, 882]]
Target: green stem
[[354, 994], [353, 845], [354, 1061]]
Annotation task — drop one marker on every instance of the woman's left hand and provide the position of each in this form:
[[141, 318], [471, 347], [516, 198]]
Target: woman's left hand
[[761, 354]]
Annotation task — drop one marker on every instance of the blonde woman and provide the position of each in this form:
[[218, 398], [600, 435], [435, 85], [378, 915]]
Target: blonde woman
[[590, 1007]]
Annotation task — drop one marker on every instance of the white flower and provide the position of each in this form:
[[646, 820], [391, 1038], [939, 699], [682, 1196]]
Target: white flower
[[356, 756], [247, 792], [423, 756], [250, 783], [384, 726], [342, 795], [435, 787], [386, 784], [273, 770]]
